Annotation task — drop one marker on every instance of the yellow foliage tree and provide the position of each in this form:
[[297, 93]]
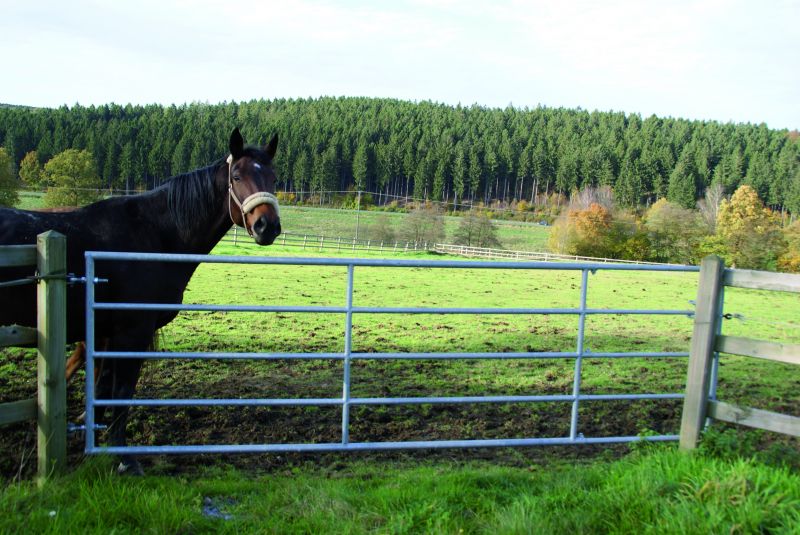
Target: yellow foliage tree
[[582, 232], [749, 231], [790, 259]]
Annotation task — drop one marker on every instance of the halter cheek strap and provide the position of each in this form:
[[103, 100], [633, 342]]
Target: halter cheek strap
[[250, 203]]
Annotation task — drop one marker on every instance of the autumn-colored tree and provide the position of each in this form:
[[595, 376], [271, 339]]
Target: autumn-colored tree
[[790, 259], [8, 181], [72, 179], [582, 232], [749, 231]]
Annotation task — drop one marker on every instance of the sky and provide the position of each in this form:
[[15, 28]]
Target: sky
[[722, 60]]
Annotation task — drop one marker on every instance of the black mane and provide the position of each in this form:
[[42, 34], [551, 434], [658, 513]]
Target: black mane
[[193, 197]]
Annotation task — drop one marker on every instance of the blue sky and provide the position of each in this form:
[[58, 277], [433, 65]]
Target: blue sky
[[709, 59]]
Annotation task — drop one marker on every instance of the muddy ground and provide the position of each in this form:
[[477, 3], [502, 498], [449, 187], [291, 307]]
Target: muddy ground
[[286, 425]]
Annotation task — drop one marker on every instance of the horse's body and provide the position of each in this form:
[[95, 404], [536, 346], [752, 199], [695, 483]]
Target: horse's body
[[188, 214]]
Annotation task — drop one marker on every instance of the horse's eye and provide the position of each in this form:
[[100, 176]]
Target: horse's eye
[[237, 177]]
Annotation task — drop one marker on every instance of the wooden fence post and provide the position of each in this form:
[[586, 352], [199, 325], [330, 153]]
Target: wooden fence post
[[706, 318], [51, 301]]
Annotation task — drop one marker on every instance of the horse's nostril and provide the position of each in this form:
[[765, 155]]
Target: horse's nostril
[[260, 225]]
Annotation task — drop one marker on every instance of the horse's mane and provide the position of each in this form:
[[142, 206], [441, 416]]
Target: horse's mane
[[193, 197]]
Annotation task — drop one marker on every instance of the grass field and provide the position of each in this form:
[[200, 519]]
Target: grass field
[[532, 490], [513, 235]]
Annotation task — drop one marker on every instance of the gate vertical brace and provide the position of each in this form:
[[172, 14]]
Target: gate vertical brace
[[576, 387], [706, 318], [90, 349], [348, 343]]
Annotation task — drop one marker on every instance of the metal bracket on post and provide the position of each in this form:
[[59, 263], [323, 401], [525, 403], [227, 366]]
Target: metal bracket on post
[[72, 279]]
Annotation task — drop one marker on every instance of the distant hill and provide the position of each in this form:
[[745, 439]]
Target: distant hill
[[16, 106]]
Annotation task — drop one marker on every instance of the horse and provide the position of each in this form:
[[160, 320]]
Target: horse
[[189, 214]]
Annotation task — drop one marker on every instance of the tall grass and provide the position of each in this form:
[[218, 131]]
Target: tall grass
[[660, 491]]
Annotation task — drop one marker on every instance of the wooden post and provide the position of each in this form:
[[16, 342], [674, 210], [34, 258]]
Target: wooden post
[[706, 318], [52, 310]]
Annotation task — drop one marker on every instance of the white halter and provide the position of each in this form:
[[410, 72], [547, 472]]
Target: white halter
[[249, 204]]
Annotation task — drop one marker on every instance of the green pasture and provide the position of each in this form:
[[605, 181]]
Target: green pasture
[[336, 223], [513, 235]]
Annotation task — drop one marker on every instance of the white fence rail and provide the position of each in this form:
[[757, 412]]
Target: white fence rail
[[482, 252], [313, 242]]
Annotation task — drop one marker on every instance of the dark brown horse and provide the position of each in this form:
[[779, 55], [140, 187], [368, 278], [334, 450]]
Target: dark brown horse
[[188, 214]]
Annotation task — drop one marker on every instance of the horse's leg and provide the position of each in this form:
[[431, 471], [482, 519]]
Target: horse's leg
[[75, 360], [125, 374]]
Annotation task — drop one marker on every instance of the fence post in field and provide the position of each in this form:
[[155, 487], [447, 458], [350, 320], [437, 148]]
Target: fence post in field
[[706, 318], [52, 404]]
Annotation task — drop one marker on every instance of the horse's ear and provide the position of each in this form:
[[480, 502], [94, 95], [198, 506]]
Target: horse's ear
[[236, 144], [272, 146]]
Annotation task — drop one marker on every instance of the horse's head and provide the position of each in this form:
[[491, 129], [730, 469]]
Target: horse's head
[[251, 188]]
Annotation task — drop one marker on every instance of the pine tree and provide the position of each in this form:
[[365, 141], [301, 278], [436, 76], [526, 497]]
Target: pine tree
[[682, 188], [360, 166], [459, 173]]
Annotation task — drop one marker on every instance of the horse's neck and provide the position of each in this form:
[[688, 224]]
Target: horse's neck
[[201, 241]]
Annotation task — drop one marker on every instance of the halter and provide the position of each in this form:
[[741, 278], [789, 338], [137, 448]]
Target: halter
[[249, 204]]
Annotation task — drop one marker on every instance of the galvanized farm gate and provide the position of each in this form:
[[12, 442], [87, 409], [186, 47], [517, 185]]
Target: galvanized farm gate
[[348, 310]]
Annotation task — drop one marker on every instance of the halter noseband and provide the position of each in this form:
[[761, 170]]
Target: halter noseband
[[249, 204]]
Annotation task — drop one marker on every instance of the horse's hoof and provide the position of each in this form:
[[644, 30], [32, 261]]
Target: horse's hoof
[[130, 467]]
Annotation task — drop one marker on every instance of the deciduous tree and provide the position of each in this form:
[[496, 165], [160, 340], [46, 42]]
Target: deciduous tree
[[9, 185], [749, 231], [424, 224], [476, 230], [72, 179], [675, 232], [30, 170]]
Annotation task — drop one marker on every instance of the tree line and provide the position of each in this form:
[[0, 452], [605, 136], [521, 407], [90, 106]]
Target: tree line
[[425, 150], [739, 228]]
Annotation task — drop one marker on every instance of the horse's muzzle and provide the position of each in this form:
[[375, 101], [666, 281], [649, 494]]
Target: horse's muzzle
[[265, 230]]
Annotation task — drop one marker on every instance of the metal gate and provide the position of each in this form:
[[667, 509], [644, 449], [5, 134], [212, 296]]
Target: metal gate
[[347, 356]]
